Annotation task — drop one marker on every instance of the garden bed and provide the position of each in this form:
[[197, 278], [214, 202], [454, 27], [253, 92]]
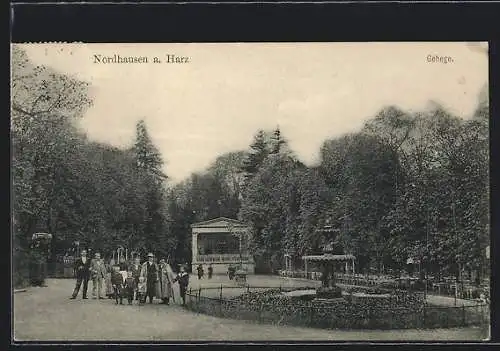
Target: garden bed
[[358, 308]]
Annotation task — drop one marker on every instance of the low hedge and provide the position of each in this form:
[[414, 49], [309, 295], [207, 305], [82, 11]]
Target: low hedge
[[402, 310], [20, 269], [271, 305]]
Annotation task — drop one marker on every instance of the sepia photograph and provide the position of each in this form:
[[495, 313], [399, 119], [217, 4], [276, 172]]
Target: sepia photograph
[[258, 192]]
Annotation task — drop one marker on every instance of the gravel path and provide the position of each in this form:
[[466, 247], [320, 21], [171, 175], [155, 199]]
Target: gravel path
[[48, 314]]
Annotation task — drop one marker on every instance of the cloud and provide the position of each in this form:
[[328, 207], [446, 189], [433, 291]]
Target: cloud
[[313, 91]]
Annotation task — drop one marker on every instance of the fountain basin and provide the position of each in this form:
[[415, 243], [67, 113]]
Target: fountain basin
[[375, 296], [299, 293]]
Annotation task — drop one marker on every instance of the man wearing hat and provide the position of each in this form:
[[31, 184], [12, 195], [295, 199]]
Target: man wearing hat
[[82, 272], [150, 273]]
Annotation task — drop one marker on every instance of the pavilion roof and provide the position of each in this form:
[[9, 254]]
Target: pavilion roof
[[219, 222], [41, 235]]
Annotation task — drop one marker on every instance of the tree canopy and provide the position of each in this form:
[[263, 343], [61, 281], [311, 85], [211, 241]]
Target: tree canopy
[[75, 188]]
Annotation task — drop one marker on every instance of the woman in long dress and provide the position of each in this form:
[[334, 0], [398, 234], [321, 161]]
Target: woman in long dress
[[107, 279], [164, 289]]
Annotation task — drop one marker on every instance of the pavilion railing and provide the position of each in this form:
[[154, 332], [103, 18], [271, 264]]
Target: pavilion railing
[[222, 258]]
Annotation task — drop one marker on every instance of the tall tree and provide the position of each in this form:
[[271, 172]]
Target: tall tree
[[227, 168], [259, 150], [44, 106], [278, 143], [149, 164], [147, 154], [360, 170], [272, 206]]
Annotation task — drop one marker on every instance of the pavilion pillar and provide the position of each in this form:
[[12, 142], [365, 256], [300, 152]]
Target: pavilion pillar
[[305, 267], [194, 247], [353, 268]]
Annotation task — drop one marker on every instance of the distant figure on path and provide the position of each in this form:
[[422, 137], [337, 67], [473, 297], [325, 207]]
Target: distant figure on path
[[150, 273], [210, 271], [82, 272], [200, 271], [98, 270], [231, 271], [183, 279]]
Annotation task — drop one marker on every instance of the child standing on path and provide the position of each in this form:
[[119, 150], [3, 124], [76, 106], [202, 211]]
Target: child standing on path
[[183, 279], [141, 291], [117, 283], [129, 287]]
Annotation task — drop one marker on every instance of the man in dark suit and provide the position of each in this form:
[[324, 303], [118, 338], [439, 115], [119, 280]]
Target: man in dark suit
[[183, 279], [150, 273], [82, 272]]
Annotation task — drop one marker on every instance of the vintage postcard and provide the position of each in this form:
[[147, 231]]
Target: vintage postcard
[[250, 192]]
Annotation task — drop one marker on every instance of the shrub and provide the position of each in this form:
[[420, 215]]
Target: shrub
[[401, 310], [475, 294], [388, 285], [329, 293], [368, 290], [21, 269]]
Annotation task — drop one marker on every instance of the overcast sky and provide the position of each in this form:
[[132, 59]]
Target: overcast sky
[[215, 103]]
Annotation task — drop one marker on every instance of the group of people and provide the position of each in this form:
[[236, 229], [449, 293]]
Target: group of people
[[201, 271], [137, 281]]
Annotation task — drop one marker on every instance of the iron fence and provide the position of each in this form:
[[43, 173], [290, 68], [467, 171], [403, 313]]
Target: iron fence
[[218, 301], [60, 270], [466, 292]]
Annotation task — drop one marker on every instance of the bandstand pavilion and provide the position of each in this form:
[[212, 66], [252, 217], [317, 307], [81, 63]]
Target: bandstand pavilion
[[221, 242]]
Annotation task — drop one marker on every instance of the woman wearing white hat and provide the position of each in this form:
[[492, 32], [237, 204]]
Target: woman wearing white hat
[[164, 286]]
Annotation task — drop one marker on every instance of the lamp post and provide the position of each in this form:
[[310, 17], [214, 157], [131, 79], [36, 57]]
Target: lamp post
[[457, 276], [426, 263]]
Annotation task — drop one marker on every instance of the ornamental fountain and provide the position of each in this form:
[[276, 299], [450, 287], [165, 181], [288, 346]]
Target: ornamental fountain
[[332, 255]]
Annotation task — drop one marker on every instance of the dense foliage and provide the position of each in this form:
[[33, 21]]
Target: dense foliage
[[74, 188], [409, 184]]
